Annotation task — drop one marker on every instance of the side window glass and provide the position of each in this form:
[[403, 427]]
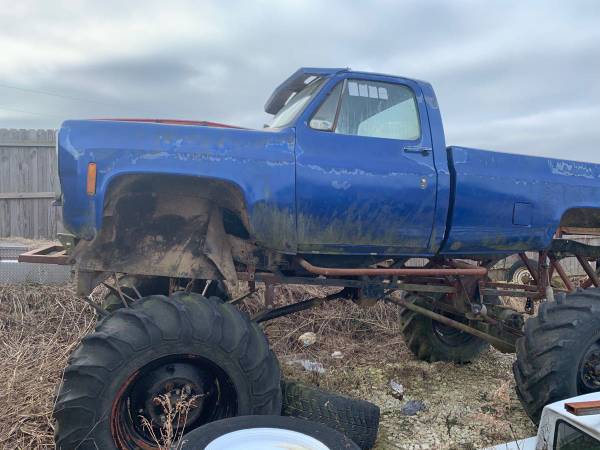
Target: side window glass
[[324, 118], [570, 438], [377, 109]]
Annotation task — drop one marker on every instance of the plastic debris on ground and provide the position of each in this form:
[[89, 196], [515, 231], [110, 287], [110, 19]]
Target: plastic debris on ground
[[397, 389], [309, 366], [307, 339], [412, 407]]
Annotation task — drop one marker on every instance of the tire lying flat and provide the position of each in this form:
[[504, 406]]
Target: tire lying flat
[[265, 433], [357, 419], [184, 343], [559, 355]]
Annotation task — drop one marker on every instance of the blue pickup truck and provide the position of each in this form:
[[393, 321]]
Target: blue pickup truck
[[348, 184]]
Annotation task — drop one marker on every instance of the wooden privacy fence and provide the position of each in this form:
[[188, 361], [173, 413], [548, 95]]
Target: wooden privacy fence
[[28, 181]]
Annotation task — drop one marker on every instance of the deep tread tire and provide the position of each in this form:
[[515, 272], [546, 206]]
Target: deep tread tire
[[516, 267], [423, 341], [201, 437], [554, 344], [155, 327], [357, 419]]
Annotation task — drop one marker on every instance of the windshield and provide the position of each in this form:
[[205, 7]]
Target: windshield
[[296, 104]]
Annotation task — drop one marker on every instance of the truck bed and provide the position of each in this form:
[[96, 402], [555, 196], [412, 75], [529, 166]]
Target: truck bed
[[505, 203]]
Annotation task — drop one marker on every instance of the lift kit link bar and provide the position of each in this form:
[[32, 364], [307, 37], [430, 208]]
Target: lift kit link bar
[[337, 271], [498, 343]]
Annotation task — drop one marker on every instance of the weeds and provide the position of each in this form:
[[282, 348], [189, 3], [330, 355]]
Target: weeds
[[41, 325], [174, 418]]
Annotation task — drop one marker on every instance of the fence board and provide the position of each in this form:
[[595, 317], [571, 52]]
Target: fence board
[[28, 178]]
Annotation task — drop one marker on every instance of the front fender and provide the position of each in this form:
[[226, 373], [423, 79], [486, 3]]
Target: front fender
[[258, 163]]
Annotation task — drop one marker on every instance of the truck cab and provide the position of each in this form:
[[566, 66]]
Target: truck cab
[[371, 165], [571, 424]]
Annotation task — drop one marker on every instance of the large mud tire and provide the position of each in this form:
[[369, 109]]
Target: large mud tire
[[432, 341], [357, 419], [519, 273], [560, 351], [185, 329]]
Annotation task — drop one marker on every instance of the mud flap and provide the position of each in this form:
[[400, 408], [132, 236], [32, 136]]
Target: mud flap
[[217, 247]]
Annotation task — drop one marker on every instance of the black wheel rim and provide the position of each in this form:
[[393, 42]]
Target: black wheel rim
[[588, 376], [180, 391]]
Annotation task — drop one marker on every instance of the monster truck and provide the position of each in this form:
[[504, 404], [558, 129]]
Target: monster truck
[[350, 181]]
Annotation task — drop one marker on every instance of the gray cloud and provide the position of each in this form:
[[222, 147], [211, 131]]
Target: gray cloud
[[515, 76]]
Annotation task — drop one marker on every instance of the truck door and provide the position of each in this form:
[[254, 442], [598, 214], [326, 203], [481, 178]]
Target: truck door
[[365, 176]]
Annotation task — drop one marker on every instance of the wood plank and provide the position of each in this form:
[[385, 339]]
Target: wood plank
[[24, 195], [14, 206], [38, 226], [26, 144], [28, 176], [48, 254], [49, 175], [4, 219], [583, 408]]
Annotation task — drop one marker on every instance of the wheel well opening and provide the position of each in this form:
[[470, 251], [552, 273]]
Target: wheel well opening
[[581, 218], [141, 197]]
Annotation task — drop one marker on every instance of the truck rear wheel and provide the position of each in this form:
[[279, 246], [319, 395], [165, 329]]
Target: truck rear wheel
[[183, 348], [433, 341], [559, 355]]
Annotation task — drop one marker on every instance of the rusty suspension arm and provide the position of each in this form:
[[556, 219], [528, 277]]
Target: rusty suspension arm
[[500, 344], [405, 271]]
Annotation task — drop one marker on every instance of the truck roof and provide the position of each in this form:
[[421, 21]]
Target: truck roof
[[588, 423], [294, 83], [297, 81]]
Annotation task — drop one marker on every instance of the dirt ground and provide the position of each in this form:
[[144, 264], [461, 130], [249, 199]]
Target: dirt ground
[[465, 407]]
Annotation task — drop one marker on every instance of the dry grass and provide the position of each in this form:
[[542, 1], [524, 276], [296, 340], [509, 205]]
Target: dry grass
[[170, 434], [41, 325], [39, 328]]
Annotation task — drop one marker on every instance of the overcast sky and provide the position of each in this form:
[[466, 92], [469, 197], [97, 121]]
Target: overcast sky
[[518, 76]]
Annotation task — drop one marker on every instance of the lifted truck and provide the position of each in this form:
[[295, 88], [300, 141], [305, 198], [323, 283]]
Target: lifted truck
[[571, 424], [351, 181]]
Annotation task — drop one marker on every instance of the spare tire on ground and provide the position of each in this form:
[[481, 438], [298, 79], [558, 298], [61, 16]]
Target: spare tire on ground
[[265, 433], [124, 381], [357, 419]]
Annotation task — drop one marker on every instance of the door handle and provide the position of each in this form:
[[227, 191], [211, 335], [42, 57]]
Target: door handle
[[424, 151]]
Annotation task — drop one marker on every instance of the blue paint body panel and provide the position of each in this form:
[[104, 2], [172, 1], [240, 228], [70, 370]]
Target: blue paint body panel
[[361, 195], [307, 190], [490, 185], [259, 163]]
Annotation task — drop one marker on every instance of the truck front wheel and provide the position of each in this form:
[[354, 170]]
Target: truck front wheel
[[433, 341], [166, 363], [559, 355]]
